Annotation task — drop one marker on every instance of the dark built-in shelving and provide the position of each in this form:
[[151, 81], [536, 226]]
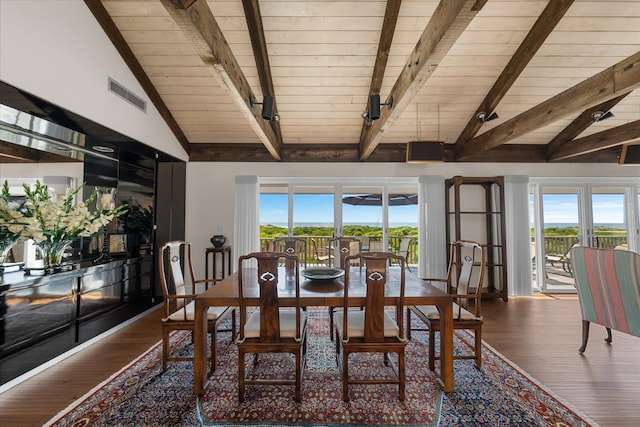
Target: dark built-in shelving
[[475, 211]]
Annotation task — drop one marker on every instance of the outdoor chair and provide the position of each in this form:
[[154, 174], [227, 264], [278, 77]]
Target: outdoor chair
[[464, 279], [179, 304], [272, 328], [372, 330], [293, 246], [322, 253], [564, 259], [405, 248]]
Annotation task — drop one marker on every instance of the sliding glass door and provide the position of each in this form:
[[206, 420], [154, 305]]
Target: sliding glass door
[[384, 216], [585, 214]]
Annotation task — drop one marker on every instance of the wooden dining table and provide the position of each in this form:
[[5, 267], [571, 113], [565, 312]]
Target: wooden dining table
[[329, 293]]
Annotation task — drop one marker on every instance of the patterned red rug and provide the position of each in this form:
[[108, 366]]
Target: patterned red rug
[[500, 394]]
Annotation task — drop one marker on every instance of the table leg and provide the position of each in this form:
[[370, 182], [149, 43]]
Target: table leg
[[200, 370], [446, 346]]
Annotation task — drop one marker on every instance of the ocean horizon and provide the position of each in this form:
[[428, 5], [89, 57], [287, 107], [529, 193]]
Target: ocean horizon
[[574, 224], [329, 224]]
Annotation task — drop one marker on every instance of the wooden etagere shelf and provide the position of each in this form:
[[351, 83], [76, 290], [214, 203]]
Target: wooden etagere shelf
[[475, 211]]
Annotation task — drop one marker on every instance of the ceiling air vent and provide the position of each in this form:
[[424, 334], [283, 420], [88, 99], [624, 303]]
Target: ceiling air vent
[[127, 95]]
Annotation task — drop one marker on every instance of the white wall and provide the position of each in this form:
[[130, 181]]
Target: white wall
[[55, 49], [211, 186]]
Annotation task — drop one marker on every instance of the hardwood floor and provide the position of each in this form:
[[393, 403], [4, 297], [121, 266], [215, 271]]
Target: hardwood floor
[[541, 334]]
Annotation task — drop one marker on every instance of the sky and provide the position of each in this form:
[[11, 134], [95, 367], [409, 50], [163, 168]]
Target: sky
[[563, 208], [318, 208]]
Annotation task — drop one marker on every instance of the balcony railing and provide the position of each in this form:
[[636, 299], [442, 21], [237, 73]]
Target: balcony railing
[[322, 244]]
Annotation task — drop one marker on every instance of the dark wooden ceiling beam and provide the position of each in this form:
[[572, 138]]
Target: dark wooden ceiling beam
[[448, 22], [543, 26], [387, 152], [384, 46], [111, 30], [598, 141], [580, 124], [196, 21], [610, 83], [259, 44]]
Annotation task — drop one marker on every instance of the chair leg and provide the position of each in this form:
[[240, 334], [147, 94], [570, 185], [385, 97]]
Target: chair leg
[[240, 375], [214, 354], [401, 375], [585, 336], [478, 348], [234, 325], [432, 349], [165, 349], [408, 324], [298, 376], [345, 376], [331, 323]]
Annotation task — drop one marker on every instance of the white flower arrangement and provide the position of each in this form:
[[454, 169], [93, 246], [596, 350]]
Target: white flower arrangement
[[53, 222], [11, 222], [50, 218]]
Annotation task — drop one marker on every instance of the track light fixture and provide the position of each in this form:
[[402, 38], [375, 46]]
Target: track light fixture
[[598, 116], [483, 118], [373, 112], [267, 108]]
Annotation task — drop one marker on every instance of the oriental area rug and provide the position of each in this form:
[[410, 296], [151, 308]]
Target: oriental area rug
[[499, 394]]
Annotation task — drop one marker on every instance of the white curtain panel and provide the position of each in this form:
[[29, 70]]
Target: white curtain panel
[[518, 239], [246, 224], [432, 239]]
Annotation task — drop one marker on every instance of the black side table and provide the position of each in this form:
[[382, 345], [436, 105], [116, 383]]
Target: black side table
[[225, 252]]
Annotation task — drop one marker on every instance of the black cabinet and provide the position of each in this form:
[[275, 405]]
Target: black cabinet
[[42, 317]]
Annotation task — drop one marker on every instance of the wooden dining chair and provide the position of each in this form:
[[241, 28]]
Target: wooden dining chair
[[272, 328], [346, 246], [372, 330], [179, 301], [293, 246], [465, 275]]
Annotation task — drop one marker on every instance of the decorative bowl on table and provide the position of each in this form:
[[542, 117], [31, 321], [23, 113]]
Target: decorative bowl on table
[[322, 273]]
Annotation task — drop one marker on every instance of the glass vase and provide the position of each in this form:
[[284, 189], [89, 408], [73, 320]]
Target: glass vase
[[52, 254], [6, 243]]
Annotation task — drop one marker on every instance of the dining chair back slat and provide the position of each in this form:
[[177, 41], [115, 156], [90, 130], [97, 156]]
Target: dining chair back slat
[[271, 329], [178, 295], [373, 329]]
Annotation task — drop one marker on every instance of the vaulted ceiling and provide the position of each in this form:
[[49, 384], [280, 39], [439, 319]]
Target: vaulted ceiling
[[551, 71]]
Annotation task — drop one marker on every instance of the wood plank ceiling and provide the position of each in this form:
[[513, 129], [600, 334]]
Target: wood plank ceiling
[[548, 69]]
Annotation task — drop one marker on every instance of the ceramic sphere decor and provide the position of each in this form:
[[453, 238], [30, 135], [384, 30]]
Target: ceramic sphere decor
[[218, 240]]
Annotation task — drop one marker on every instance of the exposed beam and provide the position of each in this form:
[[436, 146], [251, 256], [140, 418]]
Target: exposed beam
[[610, 83], [258, 43], [598, 141], [448, 22], [387, 152], [384, 46], [582, 122], [196, 21], [543, 26], [110, 29], [323, 153]]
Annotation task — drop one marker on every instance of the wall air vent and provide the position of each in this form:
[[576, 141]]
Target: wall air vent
[[127, 95]]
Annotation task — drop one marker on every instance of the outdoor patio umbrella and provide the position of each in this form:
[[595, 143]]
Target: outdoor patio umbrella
[[376, 200]]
